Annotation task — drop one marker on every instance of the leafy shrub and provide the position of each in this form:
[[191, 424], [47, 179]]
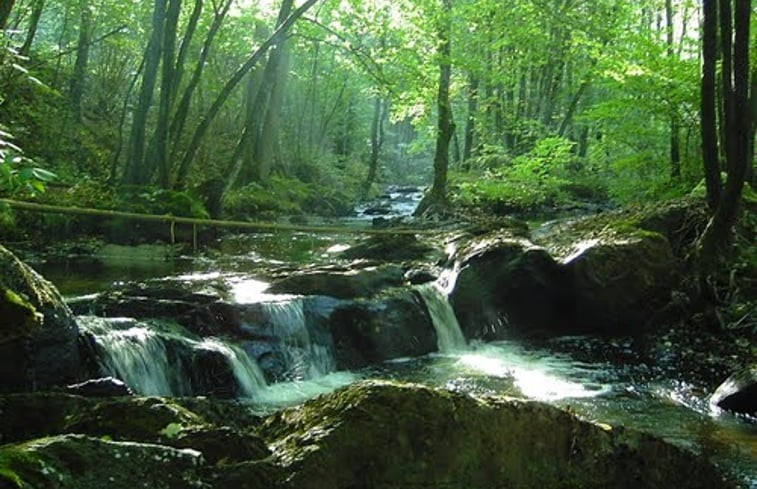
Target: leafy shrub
[[548, 175]]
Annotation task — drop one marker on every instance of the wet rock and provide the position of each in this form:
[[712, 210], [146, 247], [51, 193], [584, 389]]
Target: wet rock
[[202, 313], [374, 330], [508, 285], [103, 387], [384, 435], [81, 462], [38, 335], [738, 393], [358, 280], [389, 247]]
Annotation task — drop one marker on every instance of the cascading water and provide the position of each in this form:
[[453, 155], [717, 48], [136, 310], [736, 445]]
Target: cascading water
[[247, 373], [157, 358], [304, 358], [449, 336]]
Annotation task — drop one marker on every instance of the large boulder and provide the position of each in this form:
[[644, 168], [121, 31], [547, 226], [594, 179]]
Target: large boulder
[[508, 285], [38, 333], [620, 280], [372, 434], [738, 393], [367, 331], [386, 435]]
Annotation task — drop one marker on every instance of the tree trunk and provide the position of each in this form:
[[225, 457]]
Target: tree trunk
[[437, 196], [266, 145], [717, 235], [675, 140], [470, 123], [79, 77], [708, 111], [376, 141], [136, 170], [31, 32], [228, 88], [186, 42], [182, 111], [5, 12], [160, 161]]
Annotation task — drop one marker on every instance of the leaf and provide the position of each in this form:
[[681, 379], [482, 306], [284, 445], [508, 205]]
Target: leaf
[[44, 175]]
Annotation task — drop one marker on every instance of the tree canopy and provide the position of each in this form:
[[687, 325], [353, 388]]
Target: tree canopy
[[284, 105]]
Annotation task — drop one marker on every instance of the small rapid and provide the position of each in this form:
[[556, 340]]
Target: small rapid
[[159, 358]]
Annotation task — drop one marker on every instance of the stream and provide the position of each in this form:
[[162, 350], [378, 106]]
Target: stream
[[157, 357]]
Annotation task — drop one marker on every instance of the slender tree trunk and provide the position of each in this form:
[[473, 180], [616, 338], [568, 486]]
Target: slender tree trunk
[[675, 140], [160, 161], [182, 111], [376, 141], [79, 77], [708, 111], [228, 88], [31, 32], [136, 171], [437, 196], [186, 42], [6, 6], [470, 123]]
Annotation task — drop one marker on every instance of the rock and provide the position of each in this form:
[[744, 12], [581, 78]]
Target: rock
[[738, 393], [389, 247], [358, 280], [377, 211], [620, 280], [508, 285], [38, 335], [103, 387], [384, 435], [374, 330], [81, 462], [221, 444]]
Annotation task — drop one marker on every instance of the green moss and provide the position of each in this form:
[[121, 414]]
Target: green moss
[[19, 316]]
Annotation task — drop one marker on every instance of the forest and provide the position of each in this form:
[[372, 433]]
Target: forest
[[373, 243]]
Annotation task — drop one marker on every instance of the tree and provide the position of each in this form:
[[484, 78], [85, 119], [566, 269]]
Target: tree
[[437, 196], [5, 11], [734, 49]]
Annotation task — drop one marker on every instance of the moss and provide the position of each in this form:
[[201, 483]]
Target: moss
[[20, 317]]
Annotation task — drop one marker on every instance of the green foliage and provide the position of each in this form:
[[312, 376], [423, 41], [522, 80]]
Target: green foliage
[[281, 195], [549, 175], [17, 173]]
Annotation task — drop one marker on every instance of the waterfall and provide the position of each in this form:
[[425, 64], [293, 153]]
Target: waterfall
[[449, 336], [304, 358], [139, 357], [247, 373], [158, 358]]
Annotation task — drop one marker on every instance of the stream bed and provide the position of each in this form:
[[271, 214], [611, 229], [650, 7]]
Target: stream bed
[[633, 394]]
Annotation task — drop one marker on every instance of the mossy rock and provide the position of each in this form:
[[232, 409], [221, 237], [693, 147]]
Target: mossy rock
[[81, 462], [38, 333], [386, 435], [33, 415]]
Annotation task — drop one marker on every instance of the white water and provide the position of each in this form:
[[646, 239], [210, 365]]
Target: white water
[[247, 373], [137, 353], [304, 358], [449, 336]]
